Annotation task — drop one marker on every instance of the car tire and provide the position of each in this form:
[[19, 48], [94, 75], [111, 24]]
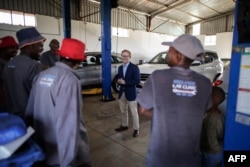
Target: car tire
[[115, 85]]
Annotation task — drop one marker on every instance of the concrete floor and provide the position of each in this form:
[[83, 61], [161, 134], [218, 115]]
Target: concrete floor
[[107, 147]]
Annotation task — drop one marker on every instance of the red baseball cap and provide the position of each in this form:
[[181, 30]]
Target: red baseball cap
[[7, 41], [72, 49]]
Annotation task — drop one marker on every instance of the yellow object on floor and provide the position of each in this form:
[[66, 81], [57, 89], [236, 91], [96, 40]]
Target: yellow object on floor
[[92, 91]]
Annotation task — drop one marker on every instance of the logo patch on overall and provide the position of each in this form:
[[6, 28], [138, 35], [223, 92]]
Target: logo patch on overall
[[184, 88], [47, 80]]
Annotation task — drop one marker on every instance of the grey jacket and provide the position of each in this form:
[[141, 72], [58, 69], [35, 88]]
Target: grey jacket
[[18, 76], [54, 110]]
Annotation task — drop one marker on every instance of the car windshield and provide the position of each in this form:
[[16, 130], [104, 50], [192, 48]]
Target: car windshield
[[161, 58]]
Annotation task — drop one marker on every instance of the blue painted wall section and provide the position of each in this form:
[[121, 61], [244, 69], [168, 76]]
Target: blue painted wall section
[[237, 132], [106, 49], [66, 18]]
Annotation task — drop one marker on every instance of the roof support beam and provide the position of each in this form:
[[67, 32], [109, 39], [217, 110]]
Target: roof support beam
[[169, 7]]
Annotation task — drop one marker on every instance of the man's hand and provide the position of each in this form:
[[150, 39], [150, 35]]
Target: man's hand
[[144, 112], [121, 81]]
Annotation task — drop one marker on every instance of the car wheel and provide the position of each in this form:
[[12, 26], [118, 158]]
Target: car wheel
[[115, 85]]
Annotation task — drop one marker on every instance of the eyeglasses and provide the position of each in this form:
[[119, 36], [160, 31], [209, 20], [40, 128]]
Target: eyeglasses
[[125, 56]]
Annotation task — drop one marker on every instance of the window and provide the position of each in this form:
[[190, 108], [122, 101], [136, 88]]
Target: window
[[210, 40], [29, 20], [17, 18], [196, 29], [120, 32], [5, 17]]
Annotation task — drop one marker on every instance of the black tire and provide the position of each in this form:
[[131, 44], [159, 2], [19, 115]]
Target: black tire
[[115, 85]]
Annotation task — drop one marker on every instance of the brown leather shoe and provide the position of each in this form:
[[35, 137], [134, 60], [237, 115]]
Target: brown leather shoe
[[121, 128]]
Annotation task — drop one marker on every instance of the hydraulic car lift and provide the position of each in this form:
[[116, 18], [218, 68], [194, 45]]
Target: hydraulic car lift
[[237, 129]]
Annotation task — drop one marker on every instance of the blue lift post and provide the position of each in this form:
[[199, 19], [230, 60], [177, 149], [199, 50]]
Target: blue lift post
[[106, 49], [66, 18], [237, 129]]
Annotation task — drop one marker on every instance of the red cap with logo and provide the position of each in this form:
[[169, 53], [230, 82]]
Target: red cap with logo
[[7, 41]]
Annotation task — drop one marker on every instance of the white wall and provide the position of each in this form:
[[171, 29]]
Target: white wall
[[143, 45], [223, 44]]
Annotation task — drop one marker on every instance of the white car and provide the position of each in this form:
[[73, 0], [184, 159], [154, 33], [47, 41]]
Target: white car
[[211, 66]]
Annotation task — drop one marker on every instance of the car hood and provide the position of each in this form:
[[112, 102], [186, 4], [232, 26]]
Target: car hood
[[149, 68]]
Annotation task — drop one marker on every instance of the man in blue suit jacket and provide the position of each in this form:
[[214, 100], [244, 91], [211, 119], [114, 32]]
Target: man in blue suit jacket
[[128, 78]]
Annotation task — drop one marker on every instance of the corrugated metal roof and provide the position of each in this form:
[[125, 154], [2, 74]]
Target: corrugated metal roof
[[182, 11], [150, 15]]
